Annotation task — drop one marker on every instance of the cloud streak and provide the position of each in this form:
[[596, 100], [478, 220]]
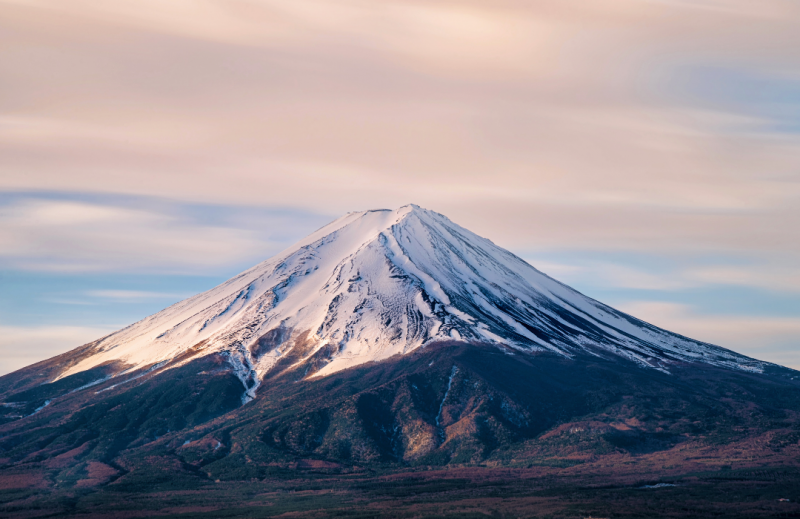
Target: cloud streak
[[765, 338], [77, 236], [127, 295]]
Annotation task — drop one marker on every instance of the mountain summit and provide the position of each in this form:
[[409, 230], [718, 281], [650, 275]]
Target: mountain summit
[[379, 283]]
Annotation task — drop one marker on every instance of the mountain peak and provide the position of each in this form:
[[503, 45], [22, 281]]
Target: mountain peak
[[379, 283]]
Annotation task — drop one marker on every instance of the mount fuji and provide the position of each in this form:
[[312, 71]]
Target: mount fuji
[[394, 339], [375, 284]]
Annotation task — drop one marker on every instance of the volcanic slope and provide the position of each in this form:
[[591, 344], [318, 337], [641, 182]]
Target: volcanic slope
[[375, 284]]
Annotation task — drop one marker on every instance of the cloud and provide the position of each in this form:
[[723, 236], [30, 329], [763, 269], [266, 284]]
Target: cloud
[[133, 295], [771, 277], [547, 124], [68, 235], [611, 275], [444, 37], [765, 338], [22, 346], [654, 273]]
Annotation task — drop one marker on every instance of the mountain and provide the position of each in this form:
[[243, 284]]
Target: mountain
[[375, 284], [388, 340]]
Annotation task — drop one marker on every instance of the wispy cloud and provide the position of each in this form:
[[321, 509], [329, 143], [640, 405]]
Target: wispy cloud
[[766, 276], [765, 338], [78, 236], [675, 274], [614, 275], [134, 295], [69, 235]]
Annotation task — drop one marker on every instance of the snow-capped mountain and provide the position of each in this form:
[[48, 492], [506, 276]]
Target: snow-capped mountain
[[461, 355], [379, 283]]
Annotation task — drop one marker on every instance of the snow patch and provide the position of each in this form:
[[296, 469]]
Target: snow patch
[[45, 404]]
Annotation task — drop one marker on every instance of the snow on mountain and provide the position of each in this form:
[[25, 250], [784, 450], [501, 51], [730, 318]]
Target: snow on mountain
[[374, 284]]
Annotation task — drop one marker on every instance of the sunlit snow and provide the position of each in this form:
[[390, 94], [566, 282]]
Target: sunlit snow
[[374, 284]]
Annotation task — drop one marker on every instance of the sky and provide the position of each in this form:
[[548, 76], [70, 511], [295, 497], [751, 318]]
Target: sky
[[645, 152]]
